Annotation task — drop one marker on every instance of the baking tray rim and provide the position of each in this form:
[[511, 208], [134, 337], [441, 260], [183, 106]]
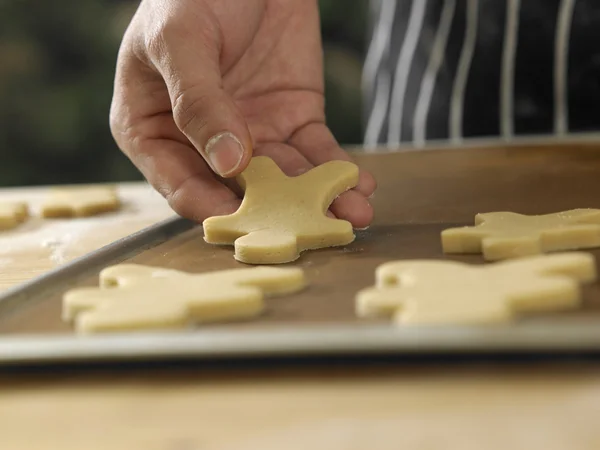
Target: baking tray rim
[[298, 341]]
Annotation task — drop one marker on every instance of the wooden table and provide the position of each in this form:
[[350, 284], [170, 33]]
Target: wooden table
[[356, 406]]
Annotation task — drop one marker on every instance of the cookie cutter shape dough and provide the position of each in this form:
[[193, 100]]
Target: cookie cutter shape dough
[[133, 297], [80, 202], [503, 235], [282, 216], [433, 292], [12, 214]]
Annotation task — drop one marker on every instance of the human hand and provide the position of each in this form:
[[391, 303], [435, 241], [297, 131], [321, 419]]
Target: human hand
[[204, 84]]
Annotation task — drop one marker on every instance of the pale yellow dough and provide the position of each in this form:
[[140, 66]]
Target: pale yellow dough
[[13, 214], [282, 216], [80, 202], [133, 297], [503, 235], [422, 292]]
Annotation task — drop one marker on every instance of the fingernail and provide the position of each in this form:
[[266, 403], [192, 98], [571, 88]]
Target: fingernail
[[224, 152]]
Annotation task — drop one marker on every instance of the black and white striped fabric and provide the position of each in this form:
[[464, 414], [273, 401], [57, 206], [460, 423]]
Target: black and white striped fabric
[[455, 69]]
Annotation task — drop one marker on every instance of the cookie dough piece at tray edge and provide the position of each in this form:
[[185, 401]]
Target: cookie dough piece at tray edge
[[504, 235], [430, 292], [133, 297], [12, 214]]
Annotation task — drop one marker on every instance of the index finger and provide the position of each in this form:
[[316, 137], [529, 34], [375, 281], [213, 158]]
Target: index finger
[[145, 131]]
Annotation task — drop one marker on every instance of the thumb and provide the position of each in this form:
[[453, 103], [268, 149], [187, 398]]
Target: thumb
[[209, 119], [202, 110]]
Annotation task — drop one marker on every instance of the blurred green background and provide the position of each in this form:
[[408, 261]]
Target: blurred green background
[[56, 70]]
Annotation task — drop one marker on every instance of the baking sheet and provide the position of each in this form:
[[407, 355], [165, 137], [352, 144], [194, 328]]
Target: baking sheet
[[420, 194]]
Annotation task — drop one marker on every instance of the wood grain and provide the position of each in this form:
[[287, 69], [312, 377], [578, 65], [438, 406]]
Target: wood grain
[[437, 407]]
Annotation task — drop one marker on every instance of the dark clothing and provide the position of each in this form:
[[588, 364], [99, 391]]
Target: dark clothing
[[481, 68]]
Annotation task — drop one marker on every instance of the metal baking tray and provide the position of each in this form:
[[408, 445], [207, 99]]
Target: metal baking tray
[[420, 194]]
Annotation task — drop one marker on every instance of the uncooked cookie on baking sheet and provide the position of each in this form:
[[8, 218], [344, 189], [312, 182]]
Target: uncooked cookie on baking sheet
[[133, 297], [504, 235], [282, 216], [12, 214], [421, 292], [80, 201]]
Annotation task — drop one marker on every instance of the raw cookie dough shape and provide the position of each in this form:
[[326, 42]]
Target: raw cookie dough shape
[[503, 235], [12, 214], [282, 216], [81, 201], [134, 297], [444, 292]]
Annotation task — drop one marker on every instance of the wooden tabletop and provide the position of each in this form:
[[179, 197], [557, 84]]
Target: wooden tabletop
[[479, 405]]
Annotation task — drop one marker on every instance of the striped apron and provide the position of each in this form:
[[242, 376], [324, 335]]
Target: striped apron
[[452, 70]]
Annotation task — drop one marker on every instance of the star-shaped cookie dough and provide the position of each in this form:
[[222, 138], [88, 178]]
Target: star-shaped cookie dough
[[133, 297], [80, 202], [503, 235], [423, 292], [12, 214], [282, 216]]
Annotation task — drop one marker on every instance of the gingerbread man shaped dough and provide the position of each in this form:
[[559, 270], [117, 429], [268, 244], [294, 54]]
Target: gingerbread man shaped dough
[[81, 202], [282, 216], [132, 297], [503, 235], [422, 292], [13, 214]]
